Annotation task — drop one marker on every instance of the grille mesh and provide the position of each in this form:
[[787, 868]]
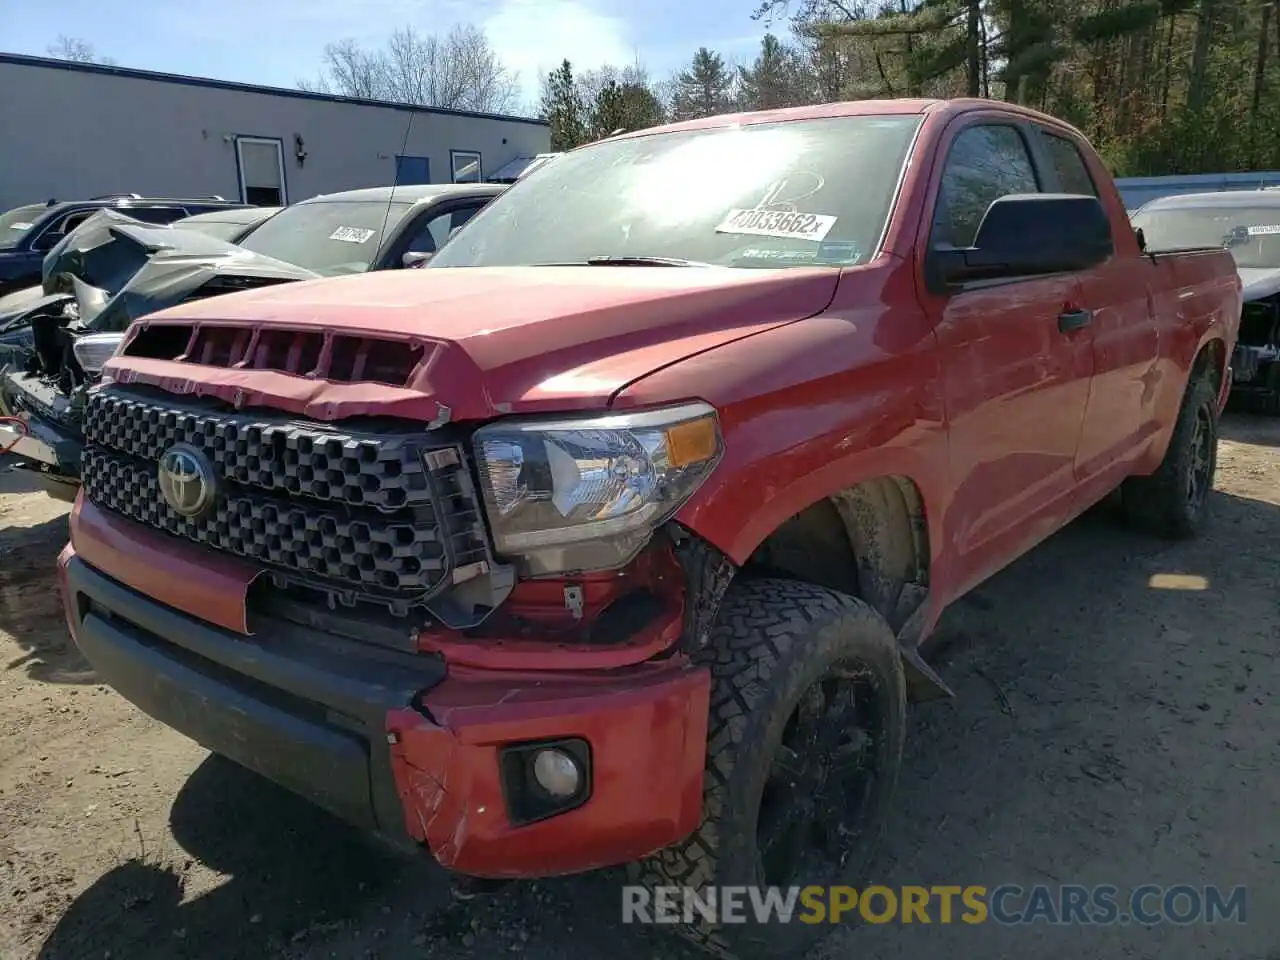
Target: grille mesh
[[384, 473], [355, 511], [369, 551]]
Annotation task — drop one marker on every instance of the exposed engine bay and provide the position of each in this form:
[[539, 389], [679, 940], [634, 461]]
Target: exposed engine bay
[[1254, 368]]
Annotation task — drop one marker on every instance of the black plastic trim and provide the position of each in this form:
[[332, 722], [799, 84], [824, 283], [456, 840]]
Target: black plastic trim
[[303, 709]]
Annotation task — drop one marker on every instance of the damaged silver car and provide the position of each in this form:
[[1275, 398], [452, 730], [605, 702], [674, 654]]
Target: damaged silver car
[[114, 270]]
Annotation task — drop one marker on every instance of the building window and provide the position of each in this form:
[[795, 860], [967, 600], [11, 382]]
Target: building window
[[466, 166], [260, 165]]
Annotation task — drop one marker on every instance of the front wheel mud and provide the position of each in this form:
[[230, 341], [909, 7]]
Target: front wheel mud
[[808, 711], [1173, 502]]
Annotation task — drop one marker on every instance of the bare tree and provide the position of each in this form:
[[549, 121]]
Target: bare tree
[[77, 50], [458, 71]]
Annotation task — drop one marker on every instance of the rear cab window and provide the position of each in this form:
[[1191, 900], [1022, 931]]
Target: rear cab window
[[985, 162]]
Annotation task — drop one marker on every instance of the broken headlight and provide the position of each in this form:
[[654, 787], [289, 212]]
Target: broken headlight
[[93, 350], [587, 494]]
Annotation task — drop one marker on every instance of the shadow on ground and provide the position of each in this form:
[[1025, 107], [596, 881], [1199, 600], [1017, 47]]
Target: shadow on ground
[[1244, 426], [289, 869], [1086, 740]]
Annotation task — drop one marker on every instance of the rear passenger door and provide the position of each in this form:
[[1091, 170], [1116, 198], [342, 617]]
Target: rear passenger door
[[1121, 414], [1015, 385]]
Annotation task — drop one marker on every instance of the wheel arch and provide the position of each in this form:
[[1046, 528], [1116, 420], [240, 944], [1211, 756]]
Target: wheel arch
[[870, 540], [1211, 359]]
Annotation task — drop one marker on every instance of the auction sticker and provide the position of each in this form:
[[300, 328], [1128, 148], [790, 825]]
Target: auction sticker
[[352, 234], [1265, 230], [777, 223]]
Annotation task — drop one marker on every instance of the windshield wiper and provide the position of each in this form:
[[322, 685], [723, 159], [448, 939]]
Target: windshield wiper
[[627, 262], [643, 262]]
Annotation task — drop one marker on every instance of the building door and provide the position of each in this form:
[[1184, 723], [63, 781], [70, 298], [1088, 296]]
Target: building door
[[412, 170], [260, 165]]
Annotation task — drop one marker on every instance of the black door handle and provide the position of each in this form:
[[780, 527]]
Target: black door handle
[[1074, 320]]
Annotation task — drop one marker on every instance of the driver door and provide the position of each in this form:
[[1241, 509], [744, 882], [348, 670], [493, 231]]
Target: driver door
[[1015, 384]]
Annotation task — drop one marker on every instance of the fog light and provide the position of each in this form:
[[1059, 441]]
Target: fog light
[[557, 773]]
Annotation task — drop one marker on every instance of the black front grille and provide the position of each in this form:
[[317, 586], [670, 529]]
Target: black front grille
[[370, 515], [292, 459], [360, 547]]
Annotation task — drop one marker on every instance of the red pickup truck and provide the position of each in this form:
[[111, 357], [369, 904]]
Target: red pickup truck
[[615, 535]]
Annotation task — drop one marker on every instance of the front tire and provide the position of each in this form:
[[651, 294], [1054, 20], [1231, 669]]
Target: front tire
[[808, 715], [1173, 502]]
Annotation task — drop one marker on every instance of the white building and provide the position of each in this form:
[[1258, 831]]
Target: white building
[[77, 130]]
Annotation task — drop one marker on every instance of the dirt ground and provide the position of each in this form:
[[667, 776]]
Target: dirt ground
[[1116, 722]]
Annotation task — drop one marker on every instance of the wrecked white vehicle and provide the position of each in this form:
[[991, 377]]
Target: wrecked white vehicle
[[113, 270], [97, 281], [1247, 223]]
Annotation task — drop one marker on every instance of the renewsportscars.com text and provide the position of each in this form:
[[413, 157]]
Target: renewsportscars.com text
[[1007, 904]]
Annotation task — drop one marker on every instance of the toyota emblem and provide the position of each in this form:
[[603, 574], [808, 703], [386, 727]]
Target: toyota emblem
[[187, 482]]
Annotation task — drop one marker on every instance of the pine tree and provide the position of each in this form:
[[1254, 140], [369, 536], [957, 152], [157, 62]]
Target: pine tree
[[562, 107], [777, 78], [705, 89]]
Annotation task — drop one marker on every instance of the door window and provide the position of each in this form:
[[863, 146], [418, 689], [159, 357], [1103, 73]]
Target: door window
[[49, 239], [1073, 175], [155, 214], [433, 233], [260, 163], [985, 162]]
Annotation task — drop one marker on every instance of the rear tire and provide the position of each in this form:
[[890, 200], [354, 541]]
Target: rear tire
[[808, 715], [1173, 502]]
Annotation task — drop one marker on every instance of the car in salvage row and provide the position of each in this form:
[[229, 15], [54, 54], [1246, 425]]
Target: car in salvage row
[[617, 533], [1247, 223], [113, 269]]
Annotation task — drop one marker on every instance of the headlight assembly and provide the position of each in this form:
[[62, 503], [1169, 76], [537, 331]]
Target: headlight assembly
[[93, 350], [587, 494]]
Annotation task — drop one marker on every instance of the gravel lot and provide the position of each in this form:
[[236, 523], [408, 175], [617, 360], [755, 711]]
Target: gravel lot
[[1109, 728]]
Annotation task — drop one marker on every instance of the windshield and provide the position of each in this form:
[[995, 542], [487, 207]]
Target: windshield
[[330, 237], [17, 223], [1252, 234], [768, 195]]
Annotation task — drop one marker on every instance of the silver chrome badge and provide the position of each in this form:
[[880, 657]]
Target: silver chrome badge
[[187, 481]]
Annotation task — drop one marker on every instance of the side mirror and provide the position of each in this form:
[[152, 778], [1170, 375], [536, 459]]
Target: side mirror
[[412, 260], [1029, 234]]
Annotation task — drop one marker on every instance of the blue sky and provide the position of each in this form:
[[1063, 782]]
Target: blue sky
[[277, 42]]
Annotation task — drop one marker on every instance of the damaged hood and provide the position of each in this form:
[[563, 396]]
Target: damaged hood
[[1259, 282], [19, 302], [171, 276], [128, 269], [496, 339]]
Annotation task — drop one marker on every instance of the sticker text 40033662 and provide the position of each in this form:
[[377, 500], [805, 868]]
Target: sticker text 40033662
[[778, 223]]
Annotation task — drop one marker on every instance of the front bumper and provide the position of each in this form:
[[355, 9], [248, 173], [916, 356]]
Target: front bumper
[[401, 744]]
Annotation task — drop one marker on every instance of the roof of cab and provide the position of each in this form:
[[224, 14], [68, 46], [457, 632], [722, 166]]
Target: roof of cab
[[1221, 198], [852, 108], [410, 192]]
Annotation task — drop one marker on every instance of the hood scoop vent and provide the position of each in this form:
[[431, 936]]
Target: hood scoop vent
[[312, 354]]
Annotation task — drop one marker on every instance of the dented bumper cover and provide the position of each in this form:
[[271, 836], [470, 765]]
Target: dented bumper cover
[[406, 746]]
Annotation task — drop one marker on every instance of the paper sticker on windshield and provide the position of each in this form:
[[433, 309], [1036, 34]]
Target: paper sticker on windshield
[[1265, 230], [21, 226], [352, 234], [777, 223]]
